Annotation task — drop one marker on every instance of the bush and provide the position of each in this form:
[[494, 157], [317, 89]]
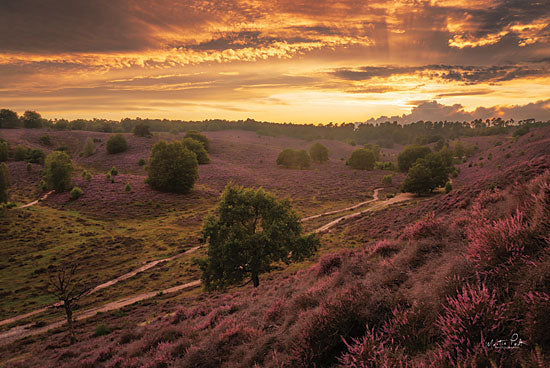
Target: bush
[[61, 124], [522, 130], [375, 150], [76, 193], [409, 155], [318, 153], [362, 159], [328, 264], [142, 130], [198, 148], [32, 120], [448, 187], [89, 147], [141, 162], [387, 180], [9, 119], [294, 159], [102, 330], [20, 153], [45, 140], [172, 167], [426, 174], [199, 137], [4, 150], [29, 167], [57, 171], [127, 187], [386, 165], [4, 182], [116, 144], [113, 171], [36, 156]]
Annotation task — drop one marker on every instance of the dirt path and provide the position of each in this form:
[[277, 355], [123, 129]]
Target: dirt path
[[375, 198], [36, 202], [19, 332]]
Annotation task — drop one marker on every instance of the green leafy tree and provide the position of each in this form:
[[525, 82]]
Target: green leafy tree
[[426, 174], [142, 130], [248, 234], [57, 171], [199, 137], [318, 152], [89, 147], [172, 167], [294, 159], [410, 154], [117, 144], [4, 182], [9, 119], [4, 150], [375, 149], [362, 159], [32, 120], [198, 148], [61, 124]]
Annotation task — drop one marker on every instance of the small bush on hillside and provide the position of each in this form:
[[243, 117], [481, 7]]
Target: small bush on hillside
[[386, 165], [127, 187], [198, 148], [294, 159], [76, 193], [57, 171], [199, 137], [375, 150], [387, 180], [45, 140], [429, 226], [113, 171], [4, 183], [102, 330], [20, 153], [172, 167], [4, 150], [448, 187], [89, 147], [36, 156], [362, 159], [29, 167], [141, 162], [142, 130], [117, 144], [318, 153], [407, 157]]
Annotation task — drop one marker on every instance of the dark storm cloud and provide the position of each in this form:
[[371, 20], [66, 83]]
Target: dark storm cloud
[[455, 73]]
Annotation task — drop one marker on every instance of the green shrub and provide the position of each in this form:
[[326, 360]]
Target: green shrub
[[4, 150], [141, 161], [89, 147], [20, 153], [9, 119], [387, 180], [29, 167], [45, 140], [386, 165], [88, 176], [142, 130], [127, 187], [448, 187], [294, 159], [32, 120], [426, 174], [113, 171], [172, 167], [409, 155], [57, 171], [362, 159], [117, 144], [36, 156], [4, 183], [76, 193], [199, 137], [197, 147], [102, 330], [375, 150], [318, 152]]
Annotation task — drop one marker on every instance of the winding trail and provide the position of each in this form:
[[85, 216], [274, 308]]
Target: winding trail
[[35, 202], [22, 331]]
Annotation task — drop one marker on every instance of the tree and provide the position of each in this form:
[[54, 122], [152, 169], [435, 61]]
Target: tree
[[36, 156], [116, 144], [61, 124], [64, 284], [426, 174], [249, 232], [9, 119], [32, 120], [199, 137], [410, 154], [89, 147], [172, 167], [198, 148], [57, 171], [4, 150], [375, 149], [294, 159], [20, 153], [318, 152], [142, 130], [362, 159], [4, 183]]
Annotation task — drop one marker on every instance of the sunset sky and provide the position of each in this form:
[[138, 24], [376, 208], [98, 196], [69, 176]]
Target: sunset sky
[[301, 61]]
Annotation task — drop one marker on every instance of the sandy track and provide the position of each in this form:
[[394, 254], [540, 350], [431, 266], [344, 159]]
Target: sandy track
[[36, 202], [19, 332]]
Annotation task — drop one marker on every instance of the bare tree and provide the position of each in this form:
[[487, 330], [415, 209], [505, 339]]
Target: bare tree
[[65, 285]]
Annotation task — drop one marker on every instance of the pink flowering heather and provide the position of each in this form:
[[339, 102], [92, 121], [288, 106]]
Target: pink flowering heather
[[429, 226], [470, 319], [537, 321]]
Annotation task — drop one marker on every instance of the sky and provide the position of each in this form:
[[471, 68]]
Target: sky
[[299, 61]]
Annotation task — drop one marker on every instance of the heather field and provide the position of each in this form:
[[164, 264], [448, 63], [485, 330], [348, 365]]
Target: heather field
[[399, 281]]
